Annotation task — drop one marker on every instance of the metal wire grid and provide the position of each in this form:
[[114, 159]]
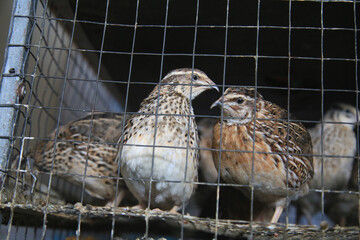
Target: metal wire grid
[[43, 71], [58, 73], [49, 70]]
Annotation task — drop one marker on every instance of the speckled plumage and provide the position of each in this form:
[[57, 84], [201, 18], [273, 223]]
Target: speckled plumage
[[334, 139], [274, 138], [74, 147], [338, 140], [175, 127]]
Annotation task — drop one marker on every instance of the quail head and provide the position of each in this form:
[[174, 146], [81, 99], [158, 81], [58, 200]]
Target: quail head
[[91, 143], [259, 146], [334, 147], [160, 142]]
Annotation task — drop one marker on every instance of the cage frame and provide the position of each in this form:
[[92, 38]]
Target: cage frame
[[10, 90]]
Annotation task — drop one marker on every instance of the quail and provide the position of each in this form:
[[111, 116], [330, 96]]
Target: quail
[[89, 142], [159, 150], [256, 137], [338, 146], [335, 140]]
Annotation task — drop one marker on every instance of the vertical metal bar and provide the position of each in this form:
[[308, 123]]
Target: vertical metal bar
[[254, 135], [189, 117], [121, 140], [221, 121], [11, 73], [45, 211], [91, 121], [288, 121], [156, 120], [26, 39], [322, 113], [357, 158]]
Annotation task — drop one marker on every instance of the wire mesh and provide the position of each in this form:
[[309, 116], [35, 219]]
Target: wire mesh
[[81, 58]]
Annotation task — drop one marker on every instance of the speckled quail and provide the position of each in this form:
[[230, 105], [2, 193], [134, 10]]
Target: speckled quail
[[338, 146], [335, 140], [160, 142], [256, 137], [91, 142]]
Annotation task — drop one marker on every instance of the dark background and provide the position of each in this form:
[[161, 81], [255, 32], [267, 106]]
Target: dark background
[[313, 82]]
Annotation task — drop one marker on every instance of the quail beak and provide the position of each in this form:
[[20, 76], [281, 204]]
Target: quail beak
[[212, 84], [217, 103]]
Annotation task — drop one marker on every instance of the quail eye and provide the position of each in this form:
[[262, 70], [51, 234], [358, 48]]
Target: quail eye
[[239, 101], [348, 113], [195, 77]]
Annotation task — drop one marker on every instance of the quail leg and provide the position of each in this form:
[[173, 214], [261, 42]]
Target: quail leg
[[118, 199], [175, 209], [277, 214]]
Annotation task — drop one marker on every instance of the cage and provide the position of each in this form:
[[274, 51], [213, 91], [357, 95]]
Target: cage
[[66, 60]]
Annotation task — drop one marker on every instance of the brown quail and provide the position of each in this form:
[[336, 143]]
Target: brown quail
[[160, 143], [281, 161]]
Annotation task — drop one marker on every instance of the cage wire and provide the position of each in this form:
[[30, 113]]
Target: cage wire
[[66, 60]]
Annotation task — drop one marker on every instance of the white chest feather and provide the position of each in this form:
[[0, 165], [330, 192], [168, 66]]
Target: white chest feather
[[166, 154]]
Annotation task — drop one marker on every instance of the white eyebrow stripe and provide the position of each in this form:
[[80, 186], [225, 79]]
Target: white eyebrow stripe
[[184, 72], [177, 73], [235, 95]]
